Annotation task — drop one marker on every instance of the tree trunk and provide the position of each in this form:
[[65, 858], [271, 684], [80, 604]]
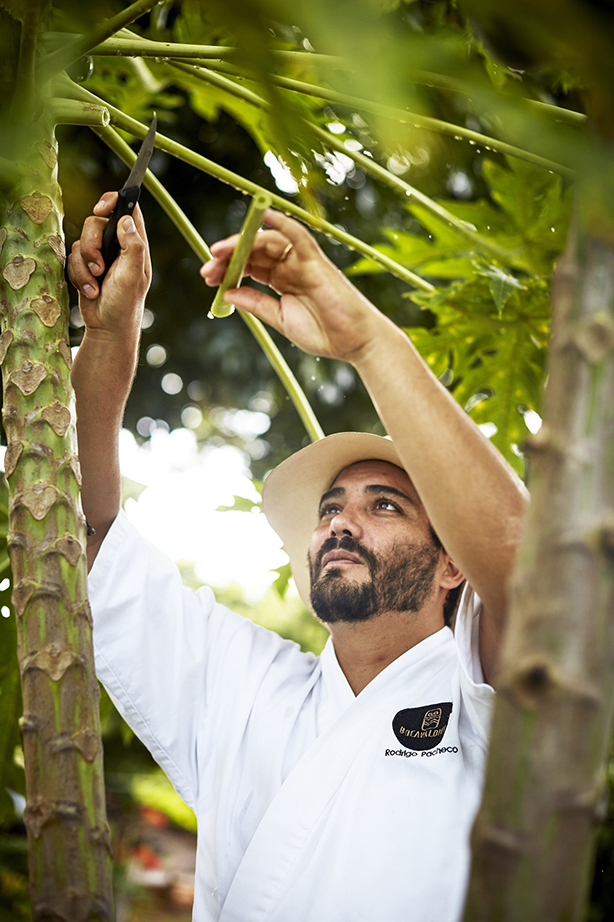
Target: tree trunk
[[545, 783], [68, 836]]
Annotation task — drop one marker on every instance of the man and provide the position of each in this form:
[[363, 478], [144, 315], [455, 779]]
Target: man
[[329, 789]]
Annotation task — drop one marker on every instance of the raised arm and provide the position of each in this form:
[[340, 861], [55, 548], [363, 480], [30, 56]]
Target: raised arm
[[105, 365], [475, 501]]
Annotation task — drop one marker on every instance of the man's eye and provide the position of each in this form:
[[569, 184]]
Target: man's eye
[[387, 504], [331, 509]]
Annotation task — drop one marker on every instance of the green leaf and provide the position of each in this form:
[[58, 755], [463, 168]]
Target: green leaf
[[494, 365], [501, 285], [241, 504], [283, 580]]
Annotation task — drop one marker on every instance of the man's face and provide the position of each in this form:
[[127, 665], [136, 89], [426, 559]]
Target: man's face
[[373, 550]]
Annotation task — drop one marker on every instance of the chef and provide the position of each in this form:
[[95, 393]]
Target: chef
[[335, 788]]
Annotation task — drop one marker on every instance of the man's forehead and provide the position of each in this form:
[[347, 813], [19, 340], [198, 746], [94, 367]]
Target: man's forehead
[[372, 471]]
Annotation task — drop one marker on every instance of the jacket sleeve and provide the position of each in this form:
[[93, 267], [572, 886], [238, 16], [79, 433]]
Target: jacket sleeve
[[179, 666]]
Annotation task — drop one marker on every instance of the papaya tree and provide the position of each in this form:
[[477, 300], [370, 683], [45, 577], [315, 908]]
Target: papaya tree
[[477, 277]]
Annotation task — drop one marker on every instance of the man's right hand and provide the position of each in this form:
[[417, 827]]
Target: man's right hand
[[114, 309]]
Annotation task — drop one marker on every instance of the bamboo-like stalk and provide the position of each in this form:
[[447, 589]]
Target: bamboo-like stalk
[[236, 268], [65, 817], [366, 163], [545, 782], [74, 112], [59, 60], [198, 245], [138, 130]]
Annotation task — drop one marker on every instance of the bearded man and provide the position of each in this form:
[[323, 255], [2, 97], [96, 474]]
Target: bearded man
[[335, 788]]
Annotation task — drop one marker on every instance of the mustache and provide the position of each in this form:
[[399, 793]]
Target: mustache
[[346, 543]]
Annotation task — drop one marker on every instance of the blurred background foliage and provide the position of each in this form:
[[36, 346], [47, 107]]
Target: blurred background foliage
[[446, 134]]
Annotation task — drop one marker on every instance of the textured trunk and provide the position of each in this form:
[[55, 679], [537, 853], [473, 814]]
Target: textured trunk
[[545, 784], [69, 846]]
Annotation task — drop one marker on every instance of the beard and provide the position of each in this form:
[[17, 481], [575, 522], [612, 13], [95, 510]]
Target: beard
[[402, 582]]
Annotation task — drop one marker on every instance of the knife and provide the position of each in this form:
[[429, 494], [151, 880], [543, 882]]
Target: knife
[[127, 198]]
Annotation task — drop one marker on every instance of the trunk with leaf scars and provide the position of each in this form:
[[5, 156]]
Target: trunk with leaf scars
[[546, 783], [69, 845]]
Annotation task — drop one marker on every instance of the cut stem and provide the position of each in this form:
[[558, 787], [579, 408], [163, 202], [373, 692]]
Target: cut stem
[[236, 269], [59, 60], [200, 248], [74, 112]]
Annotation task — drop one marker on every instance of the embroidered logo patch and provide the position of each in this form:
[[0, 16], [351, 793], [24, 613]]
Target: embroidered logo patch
[[422, 728]]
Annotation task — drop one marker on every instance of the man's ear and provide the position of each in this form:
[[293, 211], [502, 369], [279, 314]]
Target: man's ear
[[451, 576]]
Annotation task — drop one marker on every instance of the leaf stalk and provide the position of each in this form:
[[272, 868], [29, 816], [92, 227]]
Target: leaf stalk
[[63, 57]]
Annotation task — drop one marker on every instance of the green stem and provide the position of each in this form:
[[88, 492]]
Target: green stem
[[558, 113], [250, 188], [159, 193], [236, 269], [132, 45], [75, 112], [59, 60], [129, 44], [25, 89], [366, 163], [198, 245], [293, 388], [402, 115]]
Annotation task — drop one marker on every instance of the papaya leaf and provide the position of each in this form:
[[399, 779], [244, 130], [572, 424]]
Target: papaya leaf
[[241, 504], [284, 575], [493, 364], [502, 285]]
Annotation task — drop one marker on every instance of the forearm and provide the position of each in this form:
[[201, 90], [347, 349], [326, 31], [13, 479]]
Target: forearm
[[102, 376], [474, 500]]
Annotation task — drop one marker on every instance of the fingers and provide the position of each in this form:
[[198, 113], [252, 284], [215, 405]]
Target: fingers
[[105, 206], [85, 261], [270, 249], [80, 273], [256, 302], [296, 233]]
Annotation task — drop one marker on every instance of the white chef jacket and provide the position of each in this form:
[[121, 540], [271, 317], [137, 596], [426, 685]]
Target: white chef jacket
[[313, 804]]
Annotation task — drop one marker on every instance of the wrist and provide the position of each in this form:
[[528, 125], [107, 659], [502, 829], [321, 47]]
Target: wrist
[[381, 341]]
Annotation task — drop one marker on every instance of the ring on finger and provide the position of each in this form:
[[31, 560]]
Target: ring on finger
[[286, 252]]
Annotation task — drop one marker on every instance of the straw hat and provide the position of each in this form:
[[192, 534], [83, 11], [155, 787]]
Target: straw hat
[[292, 491]]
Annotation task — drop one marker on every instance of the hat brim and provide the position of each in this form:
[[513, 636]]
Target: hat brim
[[292, 491]]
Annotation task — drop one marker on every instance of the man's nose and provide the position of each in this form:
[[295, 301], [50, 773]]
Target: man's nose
[[345, 524]]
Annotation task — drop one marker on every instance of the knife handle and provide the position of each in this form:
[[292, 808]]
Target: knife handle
[[126, 203]]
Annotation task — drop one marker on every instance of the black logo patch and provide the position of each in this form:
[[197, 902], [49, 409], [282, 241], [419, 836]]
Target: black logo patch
[[422, 728]]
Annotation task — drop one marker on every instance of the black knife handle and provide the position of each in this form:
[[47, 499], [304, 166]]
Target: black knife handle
[[126, 203]]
